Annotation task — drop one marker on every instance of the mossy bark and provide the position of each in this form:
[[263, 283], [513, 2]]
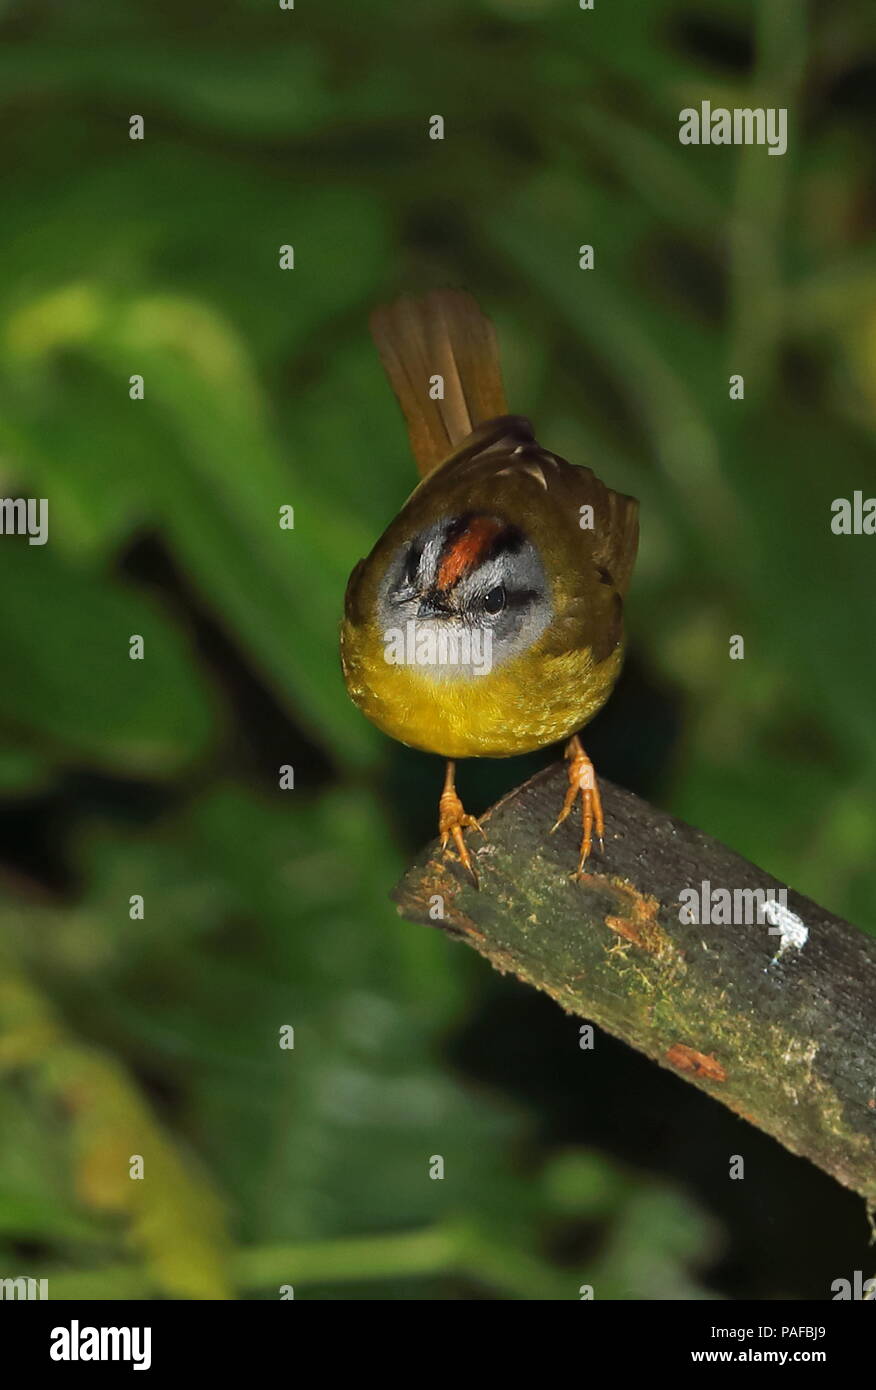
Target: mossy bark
[[784, 1036]]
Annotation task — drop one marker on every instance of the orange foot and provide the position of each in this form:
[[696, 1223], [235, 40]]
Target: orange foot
[[582, 779], [453, 819]]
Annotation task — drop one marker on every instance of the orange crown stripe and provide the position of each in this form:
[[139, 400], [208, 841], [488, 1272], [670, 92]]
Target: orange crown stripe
[[466, 552]]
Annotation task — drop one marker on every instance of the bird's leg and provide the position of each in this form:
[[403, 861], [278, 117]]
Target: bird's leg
[[582, 779], [453, 819]]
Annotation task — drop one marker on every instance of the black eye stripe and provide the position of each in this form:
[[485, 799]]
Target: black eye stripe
[[515, 599]]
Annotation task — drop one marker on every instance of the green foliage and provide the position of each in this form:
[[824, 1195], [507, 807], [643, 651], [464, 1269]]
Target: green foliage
[[264, 908]]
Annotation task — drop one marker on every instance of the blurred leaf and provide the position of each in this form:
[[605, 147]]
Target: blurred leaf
[[219, 495], [173, 1218], [277, 89], [66, 636], [22, 771], [660, 1237]]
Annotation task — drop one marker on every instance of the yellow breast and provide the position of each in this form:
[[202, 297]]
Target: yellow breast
[[520, 706]]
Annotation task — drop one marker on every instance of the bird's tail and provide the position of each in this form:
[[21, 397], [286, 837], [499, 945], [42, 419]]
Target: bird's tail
[[442, 336]]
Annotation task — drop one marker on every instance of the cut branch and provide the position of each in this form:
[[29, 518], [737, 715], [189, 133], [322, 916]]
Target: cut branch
[[780, 1028]]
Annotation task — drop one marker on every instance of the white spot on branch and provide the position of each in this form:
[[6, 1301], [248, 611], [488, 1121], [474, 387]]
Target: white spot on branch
[[787, 925]]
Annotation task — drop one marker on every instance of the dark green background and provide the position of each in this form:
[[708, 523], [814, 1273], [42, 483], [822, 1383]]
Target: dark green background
[[263, 908]]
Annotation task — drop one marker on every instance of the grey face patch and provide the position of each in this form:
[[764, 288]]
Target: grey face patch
[[494, 603]]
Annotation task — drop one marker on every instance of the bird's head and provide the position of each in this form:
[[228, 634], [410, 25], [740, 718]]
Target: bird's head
[[470, 582]]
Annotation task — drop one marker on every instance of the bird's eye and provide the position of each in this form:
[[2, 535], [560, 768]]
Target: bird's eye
[[494, 601]]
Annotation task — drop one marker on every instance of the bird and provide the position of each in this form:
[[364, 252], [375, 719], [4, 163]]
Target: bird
[[488, 619]]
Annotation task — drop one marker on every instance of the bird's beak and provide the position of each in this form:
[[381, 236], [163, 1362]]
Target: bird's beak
[[434, 605]]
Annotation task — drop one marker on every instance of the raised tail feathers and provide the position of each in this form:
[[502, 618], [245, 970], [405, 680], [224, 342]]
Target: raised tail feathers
[[445, 334]]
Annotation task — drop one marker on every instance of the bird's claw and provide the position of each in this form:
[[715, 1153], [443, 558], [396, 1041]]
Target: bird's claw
[[453, 820], [582, 781]]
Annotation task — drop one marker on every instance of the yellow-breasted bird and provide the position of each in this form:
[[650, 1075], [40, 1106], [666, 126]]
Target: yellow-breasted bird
[[488, 618]]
